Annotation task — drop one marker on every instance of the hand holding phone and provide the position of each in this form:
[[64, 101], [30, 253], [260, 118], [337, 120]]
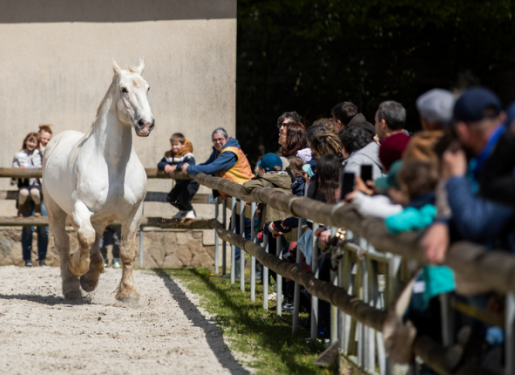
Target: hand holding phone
[[347, 184], [366, 172]]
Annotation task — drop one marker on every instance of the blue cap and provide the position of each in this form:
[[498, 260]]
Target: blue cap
[[269, 161], [475, 104]]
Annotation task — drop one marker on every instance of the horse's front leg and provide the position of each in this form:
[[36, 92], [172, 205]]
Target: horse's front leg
[[89, 281], [127, 291], [78, 264]]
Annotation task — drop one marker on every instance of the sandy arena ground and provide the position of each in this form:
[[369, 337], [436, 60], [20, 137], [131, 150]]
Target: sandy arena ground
[[41, 333]]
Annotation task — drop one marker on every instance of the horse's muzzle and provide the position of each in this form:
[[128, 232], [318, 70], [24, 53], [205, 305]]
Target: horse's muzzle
[[143, 128]]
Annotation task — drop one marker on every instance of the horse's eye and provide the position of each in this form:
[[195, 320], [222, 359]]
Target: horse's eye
[[148, 89], [124, 90]]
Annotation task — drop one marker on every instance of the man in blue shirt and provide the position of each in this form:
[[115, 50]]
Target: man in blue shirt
[[479, 119]]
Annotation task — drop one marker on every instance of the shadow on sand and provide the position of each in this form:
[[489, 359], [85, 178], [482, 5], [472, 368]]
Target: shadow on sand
[[46, 300], [213, 337]]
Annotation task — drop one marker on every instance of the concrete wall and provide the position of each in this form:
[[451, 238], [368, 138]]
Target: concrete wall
[[55, 67]]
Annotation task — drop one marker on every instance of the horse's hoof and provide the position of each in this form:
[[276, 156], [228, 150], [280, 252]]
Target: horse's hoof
[[89, 281], [88, 284], [73, 295], [128, 296]]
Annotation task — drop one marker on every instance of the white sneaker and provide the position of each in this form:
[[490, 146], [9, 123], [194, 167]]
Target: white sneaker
[[179, 215], [190, 215]]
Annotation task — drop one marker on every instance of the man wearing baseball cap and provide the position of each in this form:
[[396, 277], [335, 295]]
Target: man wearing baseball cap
[[435, 108], [478, 123]]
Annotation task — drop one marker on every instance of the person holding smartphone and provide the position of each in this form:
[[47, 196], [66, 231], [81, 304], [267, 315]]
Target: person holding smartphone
[[359, 148]]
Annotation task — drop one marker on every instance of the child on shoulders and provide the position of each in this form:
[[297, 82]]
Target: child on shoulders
[[180, 196]]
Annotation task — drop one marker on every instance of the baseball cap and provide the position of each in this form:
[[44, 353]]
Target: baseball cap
[[384, 183], [475, 104], [269, 161], [436, 106], [392, 148]]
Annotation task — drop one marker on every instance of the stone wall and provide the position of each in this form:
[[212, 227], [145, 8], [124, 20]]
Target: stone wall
[[162, 249]]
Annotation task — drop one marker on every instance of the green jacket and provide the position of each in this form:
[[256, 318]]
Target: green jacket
[[280, 181], [438, 279]]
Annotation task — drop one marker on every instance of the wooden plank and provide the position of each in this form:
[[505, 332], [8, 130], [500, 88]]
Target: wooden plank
[[152, 196], [159, 196], [159, 222], [156, 222], [37, 173], [21, 221]]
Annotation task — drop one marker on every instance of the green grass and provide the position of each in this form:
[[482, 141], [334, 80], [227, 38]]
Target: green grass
[[251, 330]]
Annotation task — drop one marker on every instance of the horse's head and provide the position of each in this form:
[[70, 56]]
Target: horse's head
[[131, 99]]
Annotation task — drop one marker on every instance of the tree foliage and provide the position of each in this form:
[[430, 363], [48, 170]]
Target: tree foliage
[[309, 55]]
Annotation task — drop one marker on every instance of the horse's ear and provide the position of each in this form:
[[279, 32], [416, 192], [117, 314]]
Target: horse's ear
[[140, 66], [116, 68]]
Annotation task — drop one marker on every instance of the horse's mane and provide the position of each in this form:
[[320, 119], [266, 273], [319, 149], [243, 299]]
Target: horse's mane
[[101, 105]]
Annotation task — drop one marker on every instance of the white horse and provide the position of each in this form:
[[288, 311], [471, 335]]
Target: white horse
[[97, 178]]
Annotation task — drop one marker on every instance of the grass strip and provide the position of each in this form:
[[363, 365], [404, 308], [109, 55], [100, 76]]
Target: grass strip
[[249, 329]]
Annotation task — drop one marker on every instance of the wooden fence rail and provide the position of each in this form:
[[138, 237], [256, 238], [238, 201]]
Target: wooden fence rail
[[495, 269]]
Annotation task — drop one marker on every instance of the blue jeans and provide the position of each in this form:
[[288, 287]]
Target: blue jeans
[[247, 231], [26, 233]]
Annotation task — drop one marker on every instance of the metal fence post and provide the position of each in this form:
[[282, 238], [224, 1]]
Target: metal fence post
[[252, 259], [346, 284], [265, 276], [447, 320], [140, 247], [217, 265], [233, 248], [296, 292], [224, 242], [510, 334], [314, 300], [278, 279], [242, 251], [334, 309]]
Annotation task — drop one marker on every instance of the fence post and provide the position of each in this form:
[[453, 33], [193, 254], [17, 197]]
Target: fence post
[[314, 300], [140, 246], [242, 251], [265, 275], [346, 282], [252, 259], [217, 266], [510, 334], [224, 243], [447, 320], [278, 280], [334, 309], [233, 248], [296, 292]]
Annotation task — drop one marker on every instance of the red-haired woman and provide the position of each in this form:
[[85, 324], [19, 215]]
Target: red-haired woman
[[294, 143]]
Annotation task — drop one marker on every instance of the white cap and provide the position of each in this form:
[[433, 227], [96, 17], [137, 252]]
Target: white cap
[[436, 106]]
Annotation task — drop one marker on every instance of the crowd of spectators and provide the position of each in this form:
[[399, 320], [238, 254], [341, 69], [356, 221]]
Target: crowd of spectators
[[453, 180]]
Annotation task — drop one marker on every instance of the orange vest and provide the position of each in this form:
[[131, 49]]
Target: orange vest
[[239, 172]]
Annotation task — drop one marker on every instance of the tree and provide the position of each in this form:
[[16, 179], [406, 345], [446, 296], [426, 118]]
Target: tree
[[309, 55]]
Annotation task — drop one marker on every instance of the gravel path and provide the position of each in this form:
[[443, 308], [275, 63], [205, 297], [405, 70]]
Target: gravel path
[[41, 333]]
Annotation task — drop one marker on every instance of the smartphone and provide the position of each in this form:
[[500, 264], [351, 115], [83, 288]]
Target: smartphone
[[366, 172], [347, 184]]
